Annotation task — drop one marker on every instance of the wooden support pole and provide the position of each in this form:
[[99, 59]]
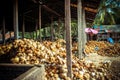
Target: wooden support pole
[[15, 18], [3, 37], [36, 27], [23, 27], [68, 37], [33, 35], [59, 21], [39, 22], [44, 33], [64, 31], [79, 13], [84, 26], [51, 29], [10, 35]]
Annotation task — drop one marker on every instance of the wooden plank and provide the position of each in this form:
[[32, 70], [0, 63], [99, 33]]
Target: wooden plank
[[15, 18], [68, 37], [22, 71], [12, 71], [85, 8], [20, 65], [35, 73], [79, 13]]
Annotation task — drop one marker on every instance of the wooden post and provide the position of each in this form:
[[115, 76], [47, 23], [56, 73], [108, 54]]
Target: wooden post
[[51, 29], [36, 27], [68, 37], [64, 31], [39, 22], [23, 27], [10, 35], [3, 37], [84, 26], [33, 35], [59, 27], [79, 13], [44, 33], [15, 18]]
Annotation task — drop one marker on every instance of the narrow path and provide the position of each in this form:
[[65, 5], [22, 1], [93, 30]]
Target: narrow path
[[95, 58]]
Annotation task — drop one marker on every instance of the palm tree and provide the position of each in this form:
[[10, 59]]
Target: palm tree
[[108, 12]]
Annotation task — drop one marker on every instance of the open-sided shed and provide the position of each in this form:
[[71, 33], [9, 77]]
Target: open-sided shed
[[29, 15], [49, 9]]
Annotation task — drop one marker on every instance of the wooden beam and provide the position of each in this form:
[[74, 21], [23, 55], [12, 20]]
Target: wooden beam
[[15, 18], [68, 37], [86, 8], [50, 10]]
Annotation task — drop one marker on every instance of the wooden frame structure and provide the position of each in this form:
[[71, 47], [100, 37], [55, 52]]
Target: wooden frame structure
[[38, 22]]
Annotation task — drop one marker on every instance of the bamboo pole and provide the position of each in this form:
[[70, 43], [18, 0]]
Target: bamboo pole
[[68, 37]]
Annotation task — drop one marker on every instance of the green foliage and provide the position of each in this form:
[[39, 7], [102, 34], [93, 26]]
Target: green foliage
[[108, 11], [58, 27], [74, 27]]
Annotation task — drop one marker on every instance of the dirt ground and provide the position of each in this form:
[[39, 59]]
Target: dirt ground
[[114, 62], [95, 58]]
